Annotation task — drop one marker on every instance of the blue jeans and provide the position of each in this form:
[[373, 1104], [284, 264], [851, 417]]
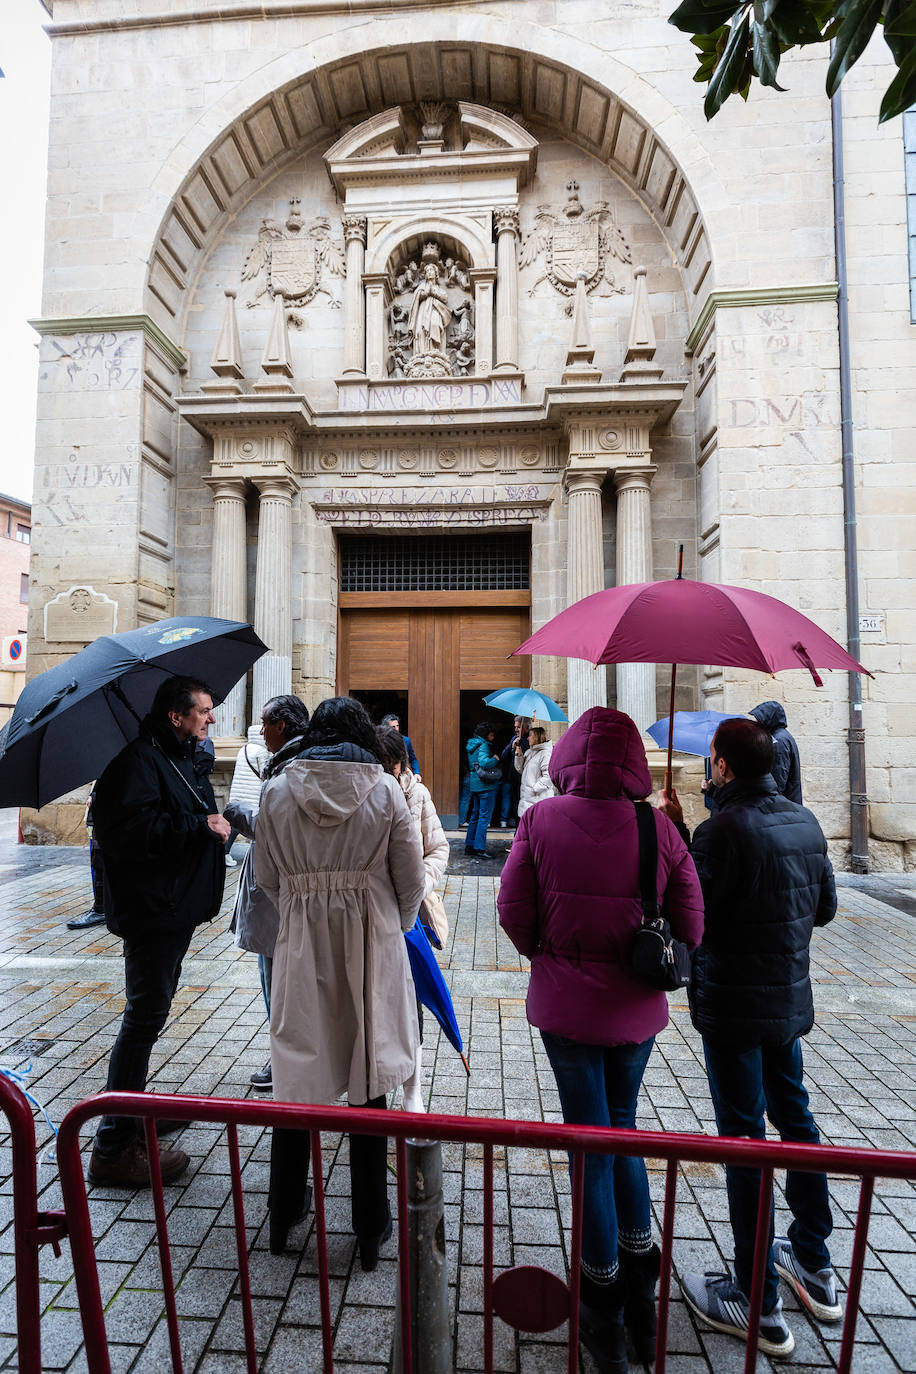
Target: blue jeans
[[745, 1085], [464, 798], [479, 818], [599, 1086]]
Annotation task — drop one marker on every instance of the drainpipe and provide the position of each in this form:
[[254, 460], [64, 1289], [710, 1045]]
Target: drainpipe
[[858, 798]]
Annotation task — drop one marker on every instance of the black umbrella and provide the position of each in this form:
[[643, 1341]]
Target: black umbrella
[[72, 720]]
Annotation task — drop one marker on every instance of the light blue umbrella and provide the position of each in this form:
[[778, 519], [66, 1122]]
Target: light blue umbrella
[[524, 701], [693, 730]]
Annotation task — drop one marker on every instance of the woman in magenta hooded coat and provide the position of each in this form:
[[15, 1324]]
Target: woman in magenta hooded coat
[[569, 900]]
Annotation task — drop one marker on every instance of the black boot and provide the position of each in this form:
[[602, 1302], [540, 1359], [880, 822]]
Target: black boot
[[601, 1328], [289, 1197], [640, 1276]]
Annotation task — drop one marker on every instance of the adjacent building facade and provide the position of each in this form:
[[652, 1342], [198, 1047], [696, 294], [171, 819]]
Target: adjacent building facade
[[15, 533], [396, 328]]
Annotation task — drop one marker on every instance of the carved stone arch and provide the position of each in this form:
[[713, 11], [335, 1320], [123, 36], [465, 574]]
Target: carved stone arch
[[477, 243]]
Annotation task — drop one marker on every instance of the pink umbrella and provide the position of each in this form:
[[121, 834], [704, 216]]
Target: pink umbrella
[[690, 622]]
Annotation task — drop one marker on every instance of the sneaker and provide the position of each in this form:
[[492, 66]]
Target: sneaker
[[88, 918], [815, 1290], [264, 1079], [717, 1300], [230, 862], [130, 1169]]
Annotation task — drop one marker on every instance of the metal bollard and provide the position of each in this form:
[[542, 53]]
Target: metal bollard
[[431, 1338]]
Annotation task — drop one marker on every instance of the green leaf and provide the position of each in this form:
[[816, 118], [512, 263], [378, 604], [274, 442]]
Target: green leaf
[[851, 41], [901, 93], [900, 18], [766, 55], [793, 23], [728, 73], [692, 16]]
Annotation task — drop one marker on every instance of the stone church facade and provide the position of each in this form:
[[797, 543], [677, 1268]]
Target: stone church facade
[[394, 328]]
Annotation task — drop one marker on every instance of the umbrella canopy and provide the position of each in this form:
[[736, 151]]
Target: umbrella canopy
[[524, 701], [690, 622], [431, 987], [693, 730], [72, 720]]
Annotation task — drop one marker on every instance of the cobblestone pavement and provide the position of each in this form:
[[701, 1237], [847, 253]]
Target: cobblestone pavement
[[60, 1002]]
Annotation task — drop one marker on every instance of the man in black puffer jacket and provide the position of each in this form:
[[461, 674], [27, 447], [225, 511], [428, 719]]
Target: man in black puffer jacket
[[767, 882], [162, 840], [786, 768]]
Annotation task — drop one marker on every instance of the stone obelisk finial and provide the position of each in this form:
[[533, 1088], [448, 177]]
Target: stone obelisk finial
[[580, 356], [639, 364], [276, 360]]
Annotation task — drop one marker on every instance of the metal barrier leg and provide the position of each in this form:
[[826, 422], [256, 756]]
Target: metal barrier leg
[[431, 1339]]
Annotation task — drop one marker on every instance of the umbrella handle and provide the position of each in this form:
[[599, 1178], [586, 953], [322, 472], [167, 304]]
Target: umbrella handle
[[668, 770]]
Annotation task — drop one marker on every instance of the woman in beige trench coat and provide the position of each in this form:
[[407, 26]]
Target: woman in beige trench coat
[[339, 856]]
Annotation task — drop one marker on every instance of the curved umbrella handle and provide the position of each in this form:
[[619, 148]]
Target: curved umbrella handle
[[53, 701]]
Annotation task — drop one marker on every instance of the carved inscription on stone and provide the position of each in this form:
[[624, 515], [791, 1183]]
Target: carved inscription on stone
[[576, 240], [79, 615], [437, 397], [296, 263]]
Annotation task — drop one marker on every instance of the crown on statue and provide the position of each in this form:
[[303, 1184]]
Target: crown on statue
[[431, 254]]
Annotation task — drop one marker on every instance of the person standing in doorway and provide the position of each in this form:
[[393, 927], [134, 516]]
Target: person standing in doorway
[[786, 761], [767, 882], [486, 776], [393, 722], [511, 784], [533, 769]]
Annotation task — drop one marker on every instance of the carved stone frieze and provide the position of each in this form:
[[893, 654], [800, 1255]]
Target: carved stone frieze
[[561, 246], [381, 460], [295, 262]]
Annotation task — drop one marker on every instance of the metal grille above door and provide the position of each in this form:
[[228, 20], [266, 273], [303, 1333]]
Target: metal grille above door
[[434, 563]]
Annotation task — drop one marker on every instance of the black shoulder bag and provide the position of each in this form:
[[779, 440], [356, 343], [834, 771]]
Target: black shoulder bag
[[656, 956]]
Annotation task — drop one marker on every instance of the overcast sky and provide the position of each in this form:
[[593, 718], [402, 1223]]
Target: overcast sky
[[25, 59]]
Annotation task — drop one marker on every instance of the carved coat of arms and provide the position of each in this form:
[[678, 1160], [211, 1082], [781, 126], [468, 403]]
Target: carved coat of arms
[[573, 242], [294, 264]]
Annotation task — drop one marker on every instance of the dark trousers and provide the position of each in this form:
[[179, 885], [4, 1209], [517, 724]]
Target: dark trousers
[[152, 967], [97, 870], [290, 1152], [599, 1086], [746, 1085]]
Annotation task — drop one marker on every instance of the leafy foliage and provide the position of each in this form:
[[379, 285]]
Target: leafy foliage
[[738, 40]]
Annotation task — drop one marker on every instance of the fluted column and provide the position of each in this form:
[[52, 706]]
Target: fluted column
[[228, 589], [586, 685], [635, 681], [506, 222], [354, 227], [273, 596]]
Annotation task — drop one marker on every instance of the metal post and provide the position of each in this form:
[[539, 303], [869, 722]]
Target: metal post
[[431, 1340]]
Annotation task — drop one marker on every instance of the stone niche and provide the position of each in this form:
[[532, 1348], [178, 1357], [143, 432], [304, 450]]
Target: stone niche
[[430, 210]]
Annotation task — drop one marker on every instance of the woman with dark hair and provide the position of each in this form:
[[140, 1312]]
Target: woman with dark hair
[[486, 775], [339, 857], [255, 919]]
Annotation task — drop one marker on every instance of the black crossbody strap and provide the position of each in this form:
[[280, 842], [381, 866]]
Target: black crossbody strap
[[648, 860]]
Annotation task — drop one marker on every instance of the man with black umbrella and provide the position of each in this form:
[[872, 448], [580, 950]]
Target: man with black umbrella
[[162, 841]]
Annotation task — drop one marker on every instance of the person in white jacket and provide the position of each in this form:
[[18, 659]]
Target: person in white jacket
[[536, 784], [435, 858]]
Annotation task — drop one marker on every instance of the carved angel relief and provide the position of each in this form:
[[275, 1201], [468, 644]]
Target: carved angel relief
[[294, 264], [577, 240]]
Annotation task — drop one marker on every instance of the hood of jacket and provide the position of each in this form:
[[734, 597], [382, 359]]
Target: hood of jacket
[[331, 781], [770, 715], [601, 755]]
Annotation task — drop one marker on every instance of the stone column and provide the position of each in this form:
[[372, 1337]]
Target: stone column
[[635, 681], [378, 296], [273, 596], [354, 227], [483, 280], [586, 685], [228, 589], [506, 222]]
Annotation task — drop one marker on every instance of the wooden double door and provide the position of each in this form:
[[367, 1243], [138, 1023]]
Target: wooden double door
[[445, 654]]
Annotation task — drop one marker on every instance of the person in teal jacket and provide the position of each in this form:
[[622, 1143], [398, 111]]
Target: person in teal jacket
[[486, 776]]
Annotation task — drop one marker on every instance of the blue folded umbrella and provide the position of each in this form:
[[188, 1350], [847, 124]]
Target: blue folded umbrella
[[431, 987], [693, 730], [524, 701]]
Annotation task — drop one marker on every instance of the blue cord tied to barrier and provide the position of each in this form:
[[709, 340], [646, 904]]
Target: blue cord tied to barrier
[[18, 1076]]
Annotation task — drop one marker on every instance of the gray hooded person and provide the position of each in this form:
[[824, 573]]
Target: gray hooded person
[[786, 762]]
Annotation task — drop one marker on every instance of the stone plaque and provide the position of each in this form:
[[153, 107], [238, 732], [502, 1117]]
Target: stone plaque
[[79, 615], [451, 394]]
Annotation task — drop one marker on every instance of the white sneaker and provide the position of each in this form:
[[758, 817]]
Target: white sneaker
[[230, 862]]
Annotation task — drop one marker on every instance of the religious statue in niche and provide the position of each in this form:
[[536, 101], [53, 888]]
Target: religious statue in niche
[[295, 264], [573, 242], [430, 321]]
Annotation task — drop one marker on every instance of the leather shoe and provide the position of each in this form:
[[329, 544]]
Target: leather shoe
[[369, 1247], [263, 1079], [88, 918], [279, 1230], [130, 1169]]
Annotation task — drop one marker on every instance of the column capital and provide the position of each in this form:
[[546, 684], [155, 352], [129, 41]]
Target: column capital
[[227, 488], [506, 221], [634, 479], [354, 228], [276, 486], [584, 479]]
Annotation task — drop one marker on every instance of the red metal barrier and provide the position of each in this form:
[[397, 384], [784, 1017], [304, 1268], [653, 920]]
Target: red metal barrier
[[31, 1228], [764, 1155]]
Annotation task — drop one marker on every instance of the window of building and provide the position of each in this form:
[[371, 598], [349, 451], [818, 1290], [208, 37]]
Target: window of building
[[472, 562], [23, 586], [23, 534]]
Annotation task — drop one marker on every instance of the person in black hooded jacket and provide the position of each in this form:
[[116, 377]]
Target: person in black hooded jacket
[[786, 768], [767, 882], [162, 841]]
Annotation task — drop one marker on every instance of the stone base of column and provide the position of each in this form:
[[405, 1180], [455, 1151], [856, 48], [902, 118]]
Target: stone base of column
[[636, 692], [586, 687], [272, 677]]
